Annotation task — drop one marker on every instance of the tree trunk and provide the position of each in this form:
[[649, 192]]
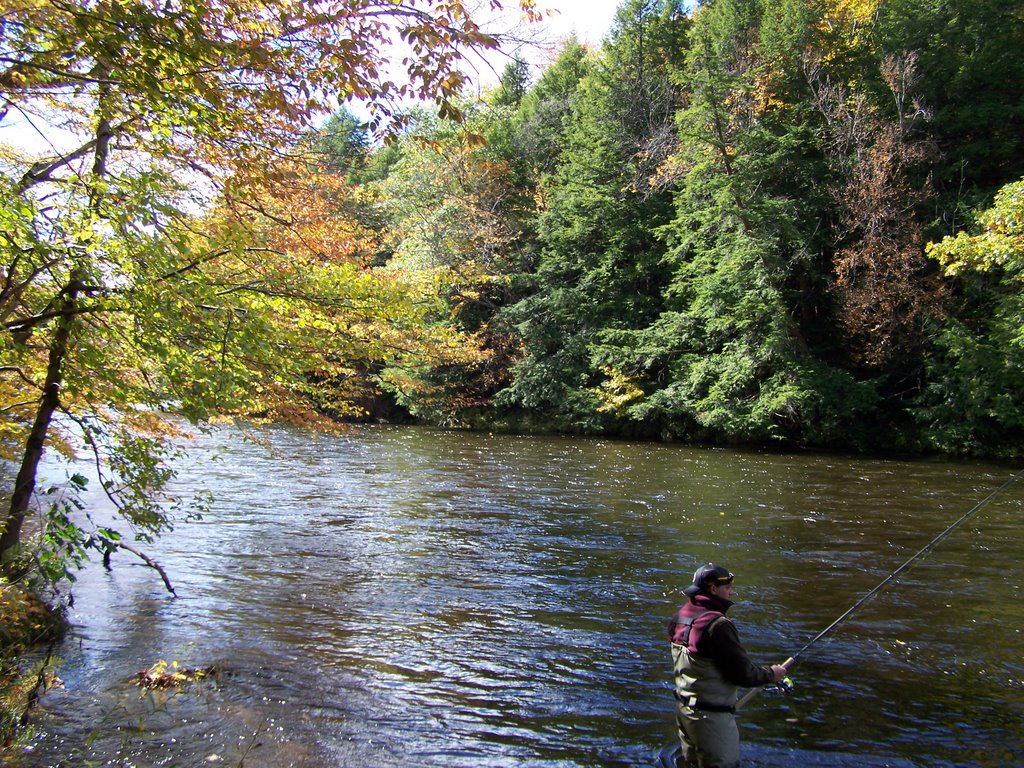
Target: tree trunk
[[25, 485]]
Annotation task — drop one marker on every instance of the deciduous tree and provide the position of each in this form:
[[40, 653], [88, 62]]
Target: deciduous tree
[[121, 292], [451, 208], [974, 399]]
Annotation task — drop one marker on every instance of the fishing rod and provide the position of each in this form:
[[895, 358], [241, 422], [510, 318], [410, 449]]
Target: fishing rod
[[891, 577]]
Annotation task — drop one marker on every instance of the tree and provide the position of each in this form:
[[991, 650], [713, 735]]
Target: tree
[[998, 243], [545, 109], [879, 154], [600, 261], [449, 205], [121, 293], [344, 144], [515, 82], [728, 358], [971, 77], [973, 402]]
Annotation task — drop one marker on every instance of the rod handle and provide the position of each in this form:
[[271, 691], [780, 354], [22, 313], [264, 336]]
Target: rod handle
[[754, 691]]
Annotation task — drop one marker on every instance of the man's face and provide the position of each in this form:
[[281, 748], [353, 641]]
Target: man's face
[[721, 591]]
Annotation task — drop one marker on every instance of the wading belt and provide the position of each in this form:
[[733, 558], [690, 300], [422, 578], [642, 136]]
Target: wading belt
[[693, 702]]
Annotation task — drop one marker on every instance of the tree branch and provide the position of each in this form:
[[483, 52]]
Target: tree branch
[[194, 264], [44, 169], [28, 323], [147, 560], [16, 369]]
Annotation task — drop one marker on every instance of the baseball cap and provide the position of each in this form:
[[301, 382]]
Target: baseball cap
[[707, 575]]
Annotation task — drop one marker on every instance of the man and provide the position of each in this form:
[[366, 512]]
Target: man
[[710, 664]]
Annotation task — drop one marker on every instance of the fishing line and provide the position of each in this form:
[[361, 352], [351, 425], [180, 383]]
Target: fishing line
[[891, 577]]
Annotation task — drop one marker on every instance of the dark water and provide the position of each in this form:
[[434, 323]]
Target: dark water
[[410, 597]]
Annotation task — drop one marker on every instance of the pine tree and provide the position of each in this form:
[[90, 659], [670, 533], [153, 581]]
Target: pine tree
[[600, 261], [728, 358]]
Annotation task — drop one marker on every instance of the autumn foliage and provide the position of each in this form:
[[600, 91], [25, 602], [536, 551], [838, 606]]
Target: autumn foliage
[[170, 248]]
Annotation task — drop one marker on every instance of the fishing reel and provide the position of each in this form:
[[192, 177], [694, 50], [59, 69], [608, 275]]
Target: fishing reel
[[781, 688]]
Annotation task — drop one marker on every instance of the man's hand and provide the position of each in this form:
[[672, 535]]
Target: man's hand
[[779, 671]]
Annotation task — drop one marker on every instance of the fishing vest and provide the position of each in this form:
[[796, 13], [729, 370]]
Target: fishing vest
[[699, 683], [689, 624]]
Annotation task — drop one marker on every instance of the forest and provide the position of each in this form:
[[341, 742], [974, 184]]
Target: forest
[[795, 224]]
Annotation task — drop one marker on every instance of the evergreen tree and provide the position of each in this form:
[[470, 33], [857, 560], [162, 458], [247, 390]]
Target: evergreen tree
[[728, 358], [543, 115], [600, 262], [343, 143], [515, 82]]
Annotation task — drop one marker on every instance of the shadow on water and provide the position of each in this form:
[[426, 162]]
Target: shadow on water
[[401, 596]]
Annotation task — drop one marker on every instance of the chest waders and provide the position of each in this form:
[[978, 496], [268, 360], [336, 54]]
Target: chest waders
[[699, 683], [705, 715]]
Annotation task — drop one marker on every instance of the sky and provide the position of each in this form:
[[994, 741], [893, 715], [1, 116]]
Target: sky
[[589, 20]]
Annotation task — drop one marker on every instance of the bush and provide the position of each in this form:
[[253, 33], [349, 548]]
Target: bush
[[26, 621]]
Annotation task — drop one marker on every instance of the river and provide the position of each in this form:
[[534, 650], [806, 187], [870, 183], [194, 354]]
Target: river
[[400, 596]]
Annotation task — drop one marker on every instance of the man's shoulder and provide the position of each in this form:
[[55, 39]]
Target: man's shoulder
[[722, 623]]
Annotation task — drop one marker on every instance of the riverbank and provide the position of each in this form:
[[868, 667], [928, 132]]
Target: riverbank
[[28, 622]]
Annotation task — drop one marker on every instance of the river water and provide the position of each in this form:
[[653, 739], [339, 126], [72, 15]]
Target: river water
[[409, 597]]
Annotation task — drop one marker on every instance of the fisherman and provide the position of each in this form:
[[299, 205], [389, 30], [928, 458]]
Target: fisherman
[[710, 664]]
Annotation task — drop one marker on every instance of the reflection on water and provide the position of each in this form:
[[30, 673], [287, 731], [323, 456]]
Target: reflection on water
[[411, 597]]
